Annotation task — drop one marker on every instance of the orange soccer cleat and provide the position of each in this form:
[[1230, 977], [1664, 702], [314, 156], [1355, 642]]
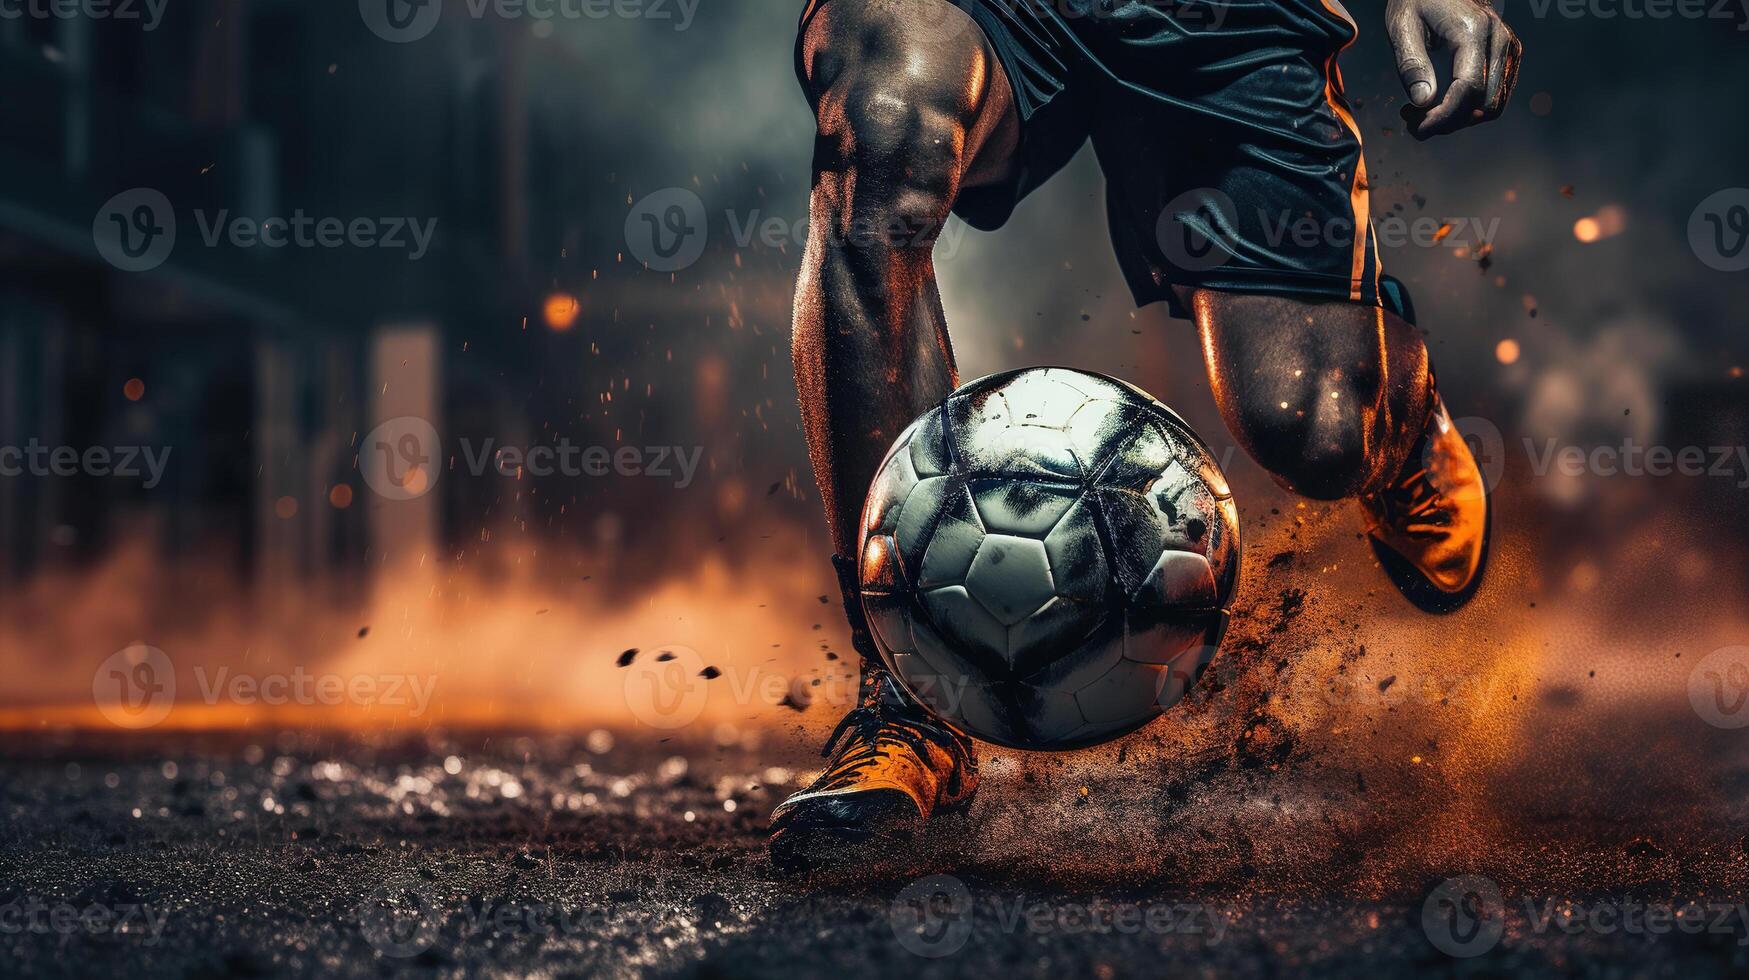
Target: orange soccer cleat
[[1430, 528], [894, 765]]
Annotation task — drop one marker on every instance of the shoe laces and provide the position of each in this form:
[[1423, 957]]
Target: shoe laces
[[1414, 499], [873, 729]]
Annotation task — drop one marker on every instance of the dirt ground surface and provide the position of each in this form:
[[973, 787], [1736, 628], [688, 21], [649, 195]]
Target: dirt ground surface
[[1339, 797], [307, 857]]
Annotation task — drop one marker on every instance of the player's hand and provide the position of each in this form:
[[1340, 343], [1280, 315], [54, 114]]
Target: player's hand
[[1484, 62]]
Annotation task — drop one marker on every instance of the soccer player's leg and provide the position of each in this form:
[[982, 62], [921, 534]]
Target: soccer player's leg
[[912, 110], [1260, 229], [1336, 400]]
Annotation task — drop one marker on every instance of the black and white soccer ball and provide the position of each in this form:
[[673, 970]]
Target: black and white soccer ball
[[1048, 558]]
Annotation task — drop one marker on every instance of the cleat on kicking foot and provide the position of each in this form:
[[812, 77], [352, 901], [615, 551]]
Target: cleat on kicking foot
[[894, 765], [1430, 527]]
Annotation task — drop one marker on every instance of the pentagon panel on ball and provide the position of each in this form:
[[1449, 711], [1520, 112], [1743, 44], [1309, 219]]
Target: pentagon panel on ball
[[1048, 558]]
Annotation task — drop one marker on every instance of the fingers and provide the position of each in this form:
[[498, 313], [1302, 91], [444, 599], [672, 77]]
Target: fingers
[[1512, 51], [1498, 44], [1470, 39], [1409, 40], [1504, 52]]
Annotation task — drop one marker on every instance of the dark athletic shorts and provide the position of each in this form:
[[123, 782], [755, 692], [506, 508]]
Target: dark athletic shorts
[[1231, 159]]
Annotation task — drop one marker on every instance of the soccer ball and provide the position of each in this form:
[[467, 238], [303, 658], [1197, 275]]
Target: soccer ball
[[1048, 557]]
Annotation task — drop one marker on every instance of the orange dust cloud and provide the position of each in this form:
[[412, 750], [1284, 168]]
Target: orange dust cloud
[[561, 311], [526, 642]]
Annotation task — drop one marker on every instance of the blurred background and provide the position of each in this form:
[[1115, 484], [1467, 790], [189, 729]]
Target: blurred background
[[343, 426]]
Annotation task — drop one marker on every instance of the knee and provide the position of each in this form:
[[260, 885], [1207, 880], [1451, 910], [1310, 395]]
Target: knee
[[1314, 435], [1333, 464], [905, 147], [893, 108]]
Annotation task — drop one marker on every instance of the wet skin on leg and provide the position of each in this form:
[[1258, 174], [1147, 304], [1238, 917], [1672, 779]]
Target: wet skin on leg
[[1331, 397], [909, 115], [1335, 400]]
